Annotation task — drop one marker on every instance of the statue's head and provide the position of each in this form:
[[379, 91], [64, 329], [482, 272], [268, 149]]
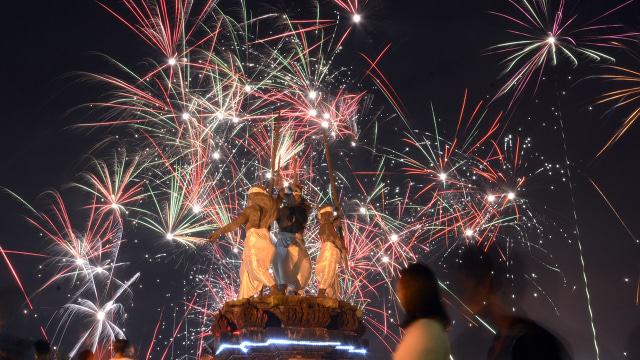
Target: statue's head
[[325, 214], [254, 194], [294, 194], [296, 189]]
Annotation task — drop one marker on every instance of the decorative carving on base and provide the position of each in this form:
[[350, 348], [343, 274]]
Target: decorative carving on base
[[304, 314], [250, 317], [287, 327], [222, 325], [288, 311], [349, 320]]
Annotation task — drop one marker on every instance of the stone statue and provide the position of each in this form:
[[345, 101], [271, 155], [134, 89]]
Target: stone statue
[[291, 263], [257, 217], [332, 251]]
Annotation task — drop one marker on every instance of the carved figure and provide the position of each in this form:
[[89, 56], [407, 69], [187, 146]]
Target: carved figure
[[332, 251], [257, 218], [291, 263]]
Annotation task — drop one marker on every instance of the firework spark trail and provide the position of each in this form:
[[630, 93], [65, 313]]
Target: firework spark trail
[[77, 255], [15, 276], [629, 94], [352, 6], [638, 292], [85, 261], [104, 325], [155, 332], [473, 189], [183, 109], [384, 84], [457, 204], [115, 188], [177, 220], [544, 32], [613, 209], [201, 118]]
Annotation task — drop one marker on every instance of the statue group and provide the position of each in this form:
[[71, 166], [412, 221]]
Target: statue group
[[289, 257]]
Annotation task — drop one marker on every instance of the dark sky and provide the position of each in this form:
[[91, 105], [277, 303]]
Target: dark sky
[[435, 56]]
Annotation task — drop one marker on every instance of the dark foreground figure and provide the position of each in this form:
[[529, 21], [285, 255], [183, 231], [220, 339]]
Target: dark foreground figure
[[517, 338], [425, 336]]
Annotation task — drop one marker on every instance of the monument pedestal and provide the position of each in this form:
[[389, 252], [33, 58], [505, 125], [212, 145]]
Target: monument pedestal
[[288, 327]]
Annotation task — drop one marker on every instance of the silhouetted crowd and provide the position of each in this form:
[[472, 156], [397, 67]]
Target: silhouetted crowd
[[425, 329], [26, 349]]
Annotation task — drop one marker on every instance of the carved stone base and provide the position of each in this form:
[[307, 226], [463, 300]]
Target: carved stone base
[[288, 327]]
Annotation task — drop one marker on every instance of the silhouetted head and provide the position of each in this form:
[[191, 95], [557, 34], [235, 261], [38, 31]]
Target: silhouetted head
[[43, 348], [419, 294], [479, 277]]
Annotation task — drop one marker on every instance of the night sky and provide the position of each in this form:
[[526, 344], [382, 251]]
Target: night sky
[[436, 54]]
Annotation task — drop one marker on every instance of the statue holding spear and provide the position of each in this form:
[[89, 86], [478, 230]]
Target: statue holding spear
[[333, 248], [257, 217], [292, 264]]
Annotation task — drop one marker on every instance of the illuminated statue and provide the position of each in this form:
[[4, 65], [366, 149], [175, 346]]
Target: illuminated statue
[[292, 264], [331, 253], [257, 217]]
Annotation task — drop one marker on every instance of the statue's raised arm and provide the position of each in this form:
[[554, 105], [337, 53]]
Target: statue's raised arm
[[261, 211], [236, 223]]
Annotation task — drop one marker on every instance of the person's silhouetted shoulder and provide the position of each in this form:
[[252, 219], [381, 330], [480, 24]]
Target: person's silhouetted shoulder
[[526, 340]]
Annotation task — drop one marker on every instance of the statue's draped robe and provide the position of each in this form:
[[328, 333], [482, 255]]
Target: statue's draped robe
[[327, 269], [329, 259], [292, 263], [258, 250], [256, 259]]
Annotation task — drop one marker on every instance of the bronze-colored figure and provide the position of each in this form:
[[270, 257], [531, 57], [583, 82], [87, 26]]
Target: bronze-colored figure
[[292, 264], [332, 251], [257, 217]]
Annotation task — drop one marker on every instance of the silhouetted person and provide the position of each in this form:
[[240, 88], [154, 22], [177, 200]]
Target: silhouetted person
[[11, 346], [122, 349], [23, 350], [425, 327], [632, 345], [85, 355], [43, 349], [7, 341], [517, 338]]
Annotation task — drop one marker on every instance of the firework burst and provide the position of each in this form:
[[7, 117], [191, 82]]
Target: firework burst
[[546, 33]]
